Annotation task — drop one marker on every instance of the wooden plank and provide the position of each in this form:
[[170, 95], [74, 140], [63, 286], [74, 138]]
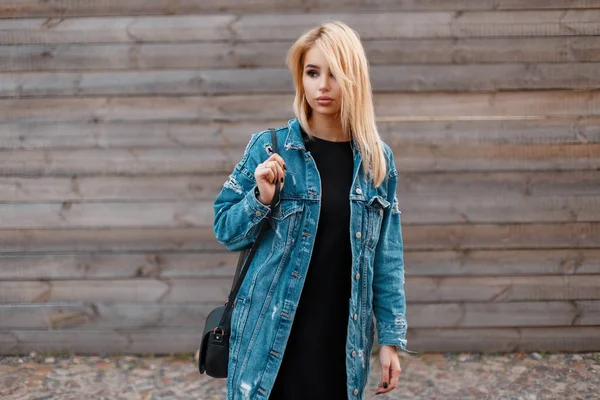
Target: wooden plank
[[105, 342], [456, 237], [187, 187], [107, 215], [501, 262], [91, 316], [215, 290], [121, 266], [235, 108], [505, 339], [137, 134], [108, 240], [428, 158], [81, 315], [289, 26], [184, 265], [199, 213], [469, 207], [423, 78], [157, 56], [207, 161], [528, 184], [502, 289], [111, 188], [499, 315], [235, 135], [126, 162], [64, 8], [505, 236]]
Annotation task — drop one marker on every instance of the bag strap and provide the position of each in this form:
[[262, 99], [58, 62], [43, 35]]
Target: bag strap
[[242, 268]]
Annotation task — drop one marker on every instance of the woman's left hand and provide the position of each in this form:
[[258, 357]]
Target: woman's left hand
[[390, 369]]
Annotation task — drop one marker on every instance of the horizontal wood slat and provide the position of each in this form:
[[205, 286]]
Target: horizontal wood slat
[[235, 135], [416, 237], [64, 8], [236, 108], [157, 56], [207, 161], [215, 290], [117, 315], [468, 207], [289, 26], [572, 339], [221, 264], [531, 186], [422, 78]]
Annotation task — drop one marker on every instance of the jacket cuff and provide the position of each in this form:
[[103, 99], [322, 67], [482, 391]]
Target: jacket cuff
[[254, 208], [393, 335]]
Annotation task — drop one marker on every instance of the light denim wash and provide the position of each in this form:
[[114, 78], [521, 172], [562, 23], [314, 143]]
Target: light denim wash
[[266, 303]]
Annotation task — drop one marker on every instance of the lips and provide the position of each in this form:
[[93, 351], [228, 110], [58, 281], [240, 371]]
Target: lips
[[324, 100]]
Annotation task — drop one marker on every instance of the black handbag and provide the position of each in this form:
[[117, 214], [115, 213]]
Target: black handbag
[[214, 349]]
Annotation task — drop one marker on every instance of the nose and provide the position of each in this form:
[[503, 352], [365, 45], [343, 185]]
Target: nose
[[324, 82]]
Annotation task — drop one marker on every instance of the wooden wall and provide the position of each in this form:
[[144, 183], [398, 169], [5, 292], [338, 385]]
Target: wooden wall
[[120, 121]]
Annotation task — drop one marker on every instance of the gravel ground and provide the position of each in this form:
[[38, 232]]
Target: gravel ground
[[429, 376]]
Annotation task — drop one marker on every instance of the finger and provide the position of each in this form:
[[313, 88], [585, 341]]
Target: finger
[[265, 173], [280, 172], [279, 159], [385, 377], [272, 166], [395, 374]]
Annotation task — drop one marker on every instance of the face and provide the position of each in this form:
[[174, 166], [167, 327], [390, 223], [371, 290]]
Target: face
[[320, 87]]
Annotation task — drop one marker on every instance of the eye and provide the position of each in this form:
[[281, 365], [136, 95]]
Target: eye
[[311, 72]]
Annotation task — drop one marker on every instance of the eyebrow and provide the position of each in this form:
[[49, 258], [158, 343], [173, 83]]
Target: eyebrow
[[312, 66]]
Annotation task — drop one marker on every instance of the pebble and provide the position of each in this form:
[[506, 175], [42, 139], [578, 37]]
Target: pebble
[[536, 356]]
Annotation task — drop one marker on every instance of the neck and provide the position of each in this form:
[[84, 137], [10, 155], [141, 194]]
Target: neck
[[327, 127]]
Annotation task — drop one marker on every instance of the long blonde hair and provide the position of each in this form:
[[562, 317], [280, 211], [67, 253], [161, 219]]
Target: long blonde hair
[[347, 60]]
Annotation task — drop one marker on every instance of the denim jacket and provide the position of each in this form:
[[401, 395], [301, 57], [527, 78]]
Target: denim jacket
[[265, 305]]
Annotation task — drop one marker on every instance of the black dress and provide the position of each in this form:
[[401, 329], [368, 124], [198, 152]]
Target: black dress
[[314, 362]]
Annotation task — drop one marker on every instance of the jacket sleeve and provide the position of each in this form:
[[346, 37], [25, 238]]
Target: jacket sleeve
[[389, 301], [237, 211]]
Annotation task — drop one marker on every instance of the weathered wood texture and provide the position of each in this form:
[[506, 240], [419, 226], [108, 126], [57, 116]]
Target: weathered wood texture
[[257, 27], [63, 8], [120, 122], [139, 315], [214, 290], [173, 56], [433, 78]]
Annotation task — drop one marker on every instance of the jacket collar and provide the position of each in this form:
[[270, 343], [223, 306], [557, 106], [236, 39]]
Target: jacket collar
[[296, 135]]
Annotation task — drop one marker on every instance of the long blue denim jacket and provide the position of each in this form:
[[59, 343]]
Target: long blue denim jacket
[[266, 303]]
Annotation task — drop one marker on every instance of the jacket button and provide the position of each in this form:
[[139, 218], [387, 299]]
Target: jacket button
[[357, 276], [358, 235], [353, 354], [381, 213], [358, 191], [355, 392], [355, 317], [258, 213]]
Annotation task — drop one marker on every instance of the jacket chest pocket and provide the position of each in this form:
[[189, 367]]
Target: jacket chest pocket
[[375, 210], [286, 218]]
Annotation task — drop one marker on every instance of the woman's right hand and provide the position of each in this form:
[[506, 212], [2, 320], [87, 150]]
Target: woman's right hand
[[266, 174]]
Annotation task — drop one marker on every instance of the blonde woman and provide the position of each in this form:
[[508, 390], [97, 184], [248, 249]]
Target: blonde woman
[[332, 259]]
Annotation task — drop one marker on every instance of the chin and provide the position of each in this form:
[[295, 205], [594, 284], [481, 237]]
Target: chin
[[325, 110]]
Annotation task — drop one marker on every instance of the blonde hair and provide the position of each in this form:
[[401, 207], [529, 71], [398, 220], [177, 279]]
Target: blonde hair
[[347, 60]]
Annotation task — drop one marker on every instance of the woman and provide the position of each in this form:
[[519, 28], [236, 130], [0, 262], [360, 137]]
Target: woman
[[302, 325]]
